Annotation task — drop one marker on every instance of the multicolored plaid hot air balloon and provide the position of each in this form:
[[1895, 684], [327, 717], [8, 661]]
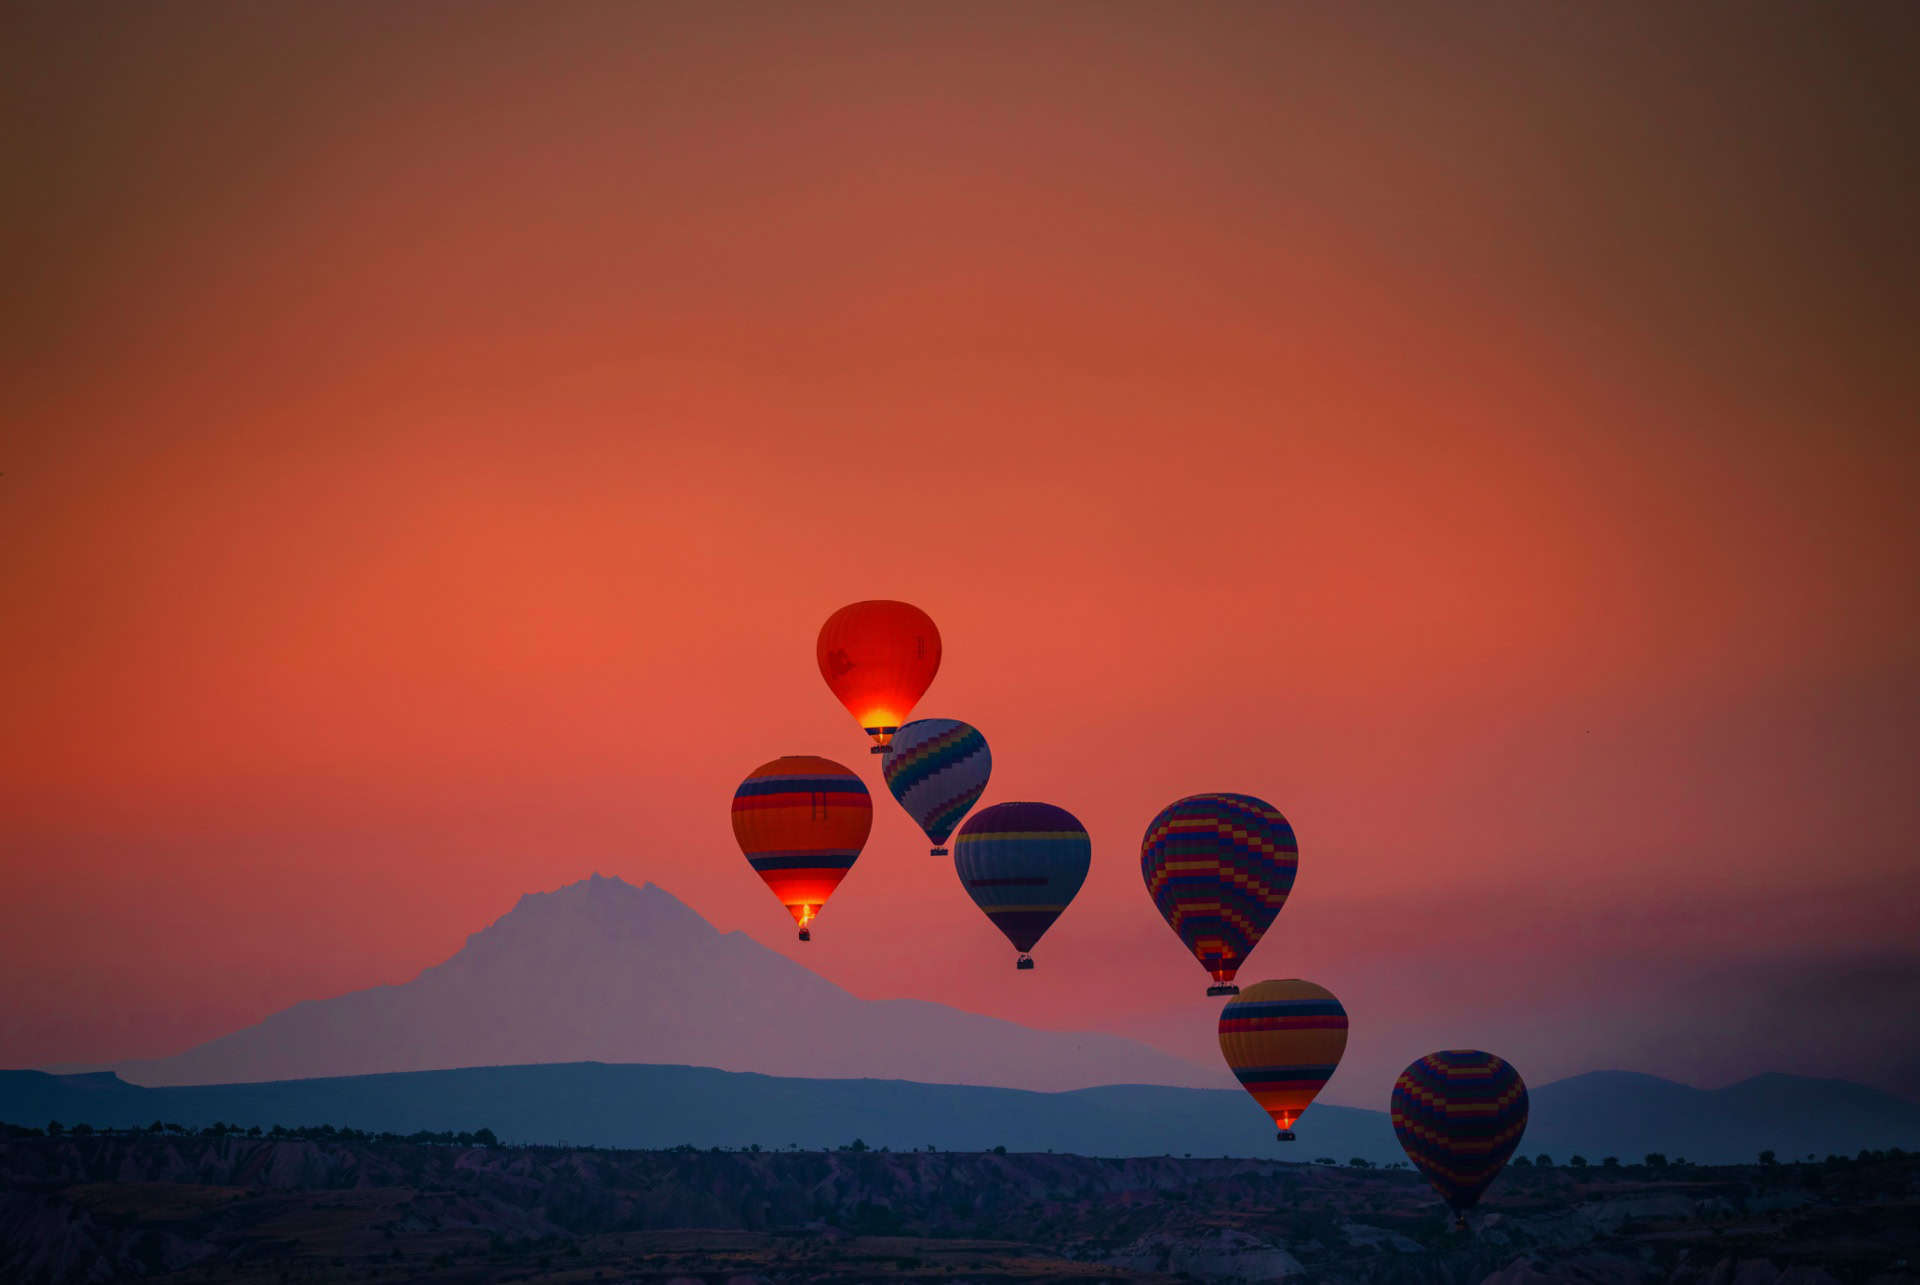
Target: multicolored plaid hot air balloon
[[878, 658], [938, 769], [802, 821], [1219, 867], [1282, 1041], [1022, 863], [1459, 1114]]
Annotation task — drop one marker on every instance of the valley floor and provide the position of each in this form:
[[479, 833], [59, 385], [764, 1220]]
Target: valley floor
[[198, 1208]]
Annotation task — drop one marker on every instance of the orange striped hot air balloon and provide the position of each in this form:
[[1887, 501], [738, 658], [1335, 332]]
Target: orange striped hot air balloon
[[802, 821], [878, 658], [1283, 1040]]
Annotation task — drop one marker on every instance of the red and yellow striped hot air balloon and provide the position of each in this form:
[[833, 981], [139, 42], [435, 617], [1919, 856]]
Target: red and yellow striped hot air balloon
[[802, 821], [879, 657], [1283, 1041]]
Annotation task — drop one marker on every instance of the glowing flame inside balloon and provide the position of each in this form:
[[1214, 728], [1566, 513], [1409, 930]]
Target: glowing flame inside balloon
[[878, 658]]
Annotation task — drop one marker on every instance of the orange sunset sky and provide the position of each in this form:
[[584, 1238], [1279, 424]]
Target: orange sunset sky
[[434, 434]]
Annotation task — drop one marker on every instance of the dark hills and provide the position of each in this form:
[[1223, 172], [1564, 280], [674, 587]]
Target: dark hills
[[1597, 1115]]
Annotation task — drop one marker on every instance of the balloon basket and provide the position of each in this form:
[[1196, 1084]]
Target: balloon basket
[[1216, 991], [1024, 964], [876, 749], [1285, 1135], [805, 935], [939, 852]]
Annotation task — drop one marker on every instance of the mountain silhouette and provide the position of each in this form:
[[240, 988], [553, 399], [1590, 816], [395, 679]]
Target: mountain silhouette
[[1608, 1113], [603, 971], [1626, 1114]]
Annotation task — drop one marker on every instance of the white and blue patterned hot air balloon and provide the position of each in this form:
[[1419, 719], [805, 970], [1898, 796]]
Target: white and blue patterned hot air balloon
[[938, 769]]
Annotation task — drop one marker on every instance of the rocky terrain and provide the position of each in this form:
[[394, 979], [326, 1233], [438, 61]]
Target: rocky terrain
[[189, 1207]]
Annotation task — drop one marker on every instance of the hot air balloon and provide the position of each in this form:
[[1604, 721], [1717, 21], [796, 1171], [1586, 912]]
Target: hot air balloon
[[802, 821], [937, 768], [1459, 1114], [1022, 863], [1219, 866], [879, 657], [1282, 1041]]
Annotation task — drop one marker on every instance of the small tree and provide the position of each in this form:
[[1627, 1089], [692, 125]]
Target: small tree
[[55, 1129], [1543, 1160], [1768, 1159], [83, 1130], [1359, 1163], [1611, 1162], [1656, 1160], [1521, 1162], [1578, 1162]]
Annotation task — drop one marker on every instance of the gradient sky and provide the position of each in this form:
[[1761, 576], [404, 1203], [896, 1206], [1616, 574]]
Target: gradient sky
[[435, 433]]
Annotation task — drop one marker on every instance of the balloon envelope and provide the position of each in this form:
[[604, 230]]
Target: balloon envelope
[[1459, 1114], [1022, 863], [878, 658], [1283, 1041], [937, 768], [802, 821], [1219, 867]]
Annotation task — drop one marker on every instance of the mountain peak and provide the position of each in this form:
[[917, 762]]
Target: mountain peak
[[603, 907], [602, 970]]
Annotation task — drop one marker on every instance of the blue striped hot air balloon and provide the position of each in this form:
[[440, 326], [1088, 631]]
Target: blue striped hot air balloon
[[937, 768], [1459, 1114], [1022, 863]]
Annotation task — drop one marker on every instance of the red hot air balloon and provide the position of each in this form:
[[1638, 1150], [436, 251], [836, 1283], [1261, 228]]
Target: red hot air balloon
[[879, 657], [802, 821]]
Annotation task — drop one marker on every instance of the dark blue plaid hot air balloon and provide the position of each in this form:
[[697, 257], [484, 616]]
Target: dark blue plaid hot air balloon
[[1459, 1114], [1219, 867]]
